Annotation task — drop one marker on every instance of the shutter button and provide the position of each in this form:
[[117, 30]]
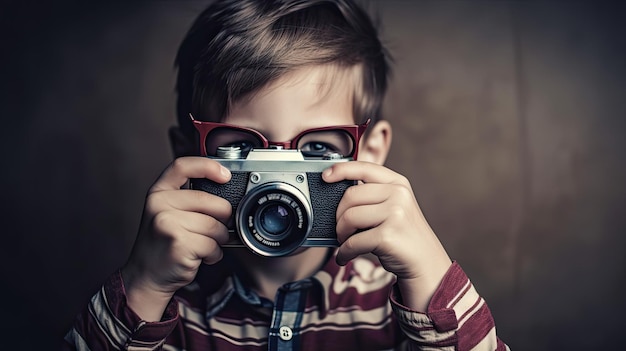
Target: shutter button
[[285, 333]]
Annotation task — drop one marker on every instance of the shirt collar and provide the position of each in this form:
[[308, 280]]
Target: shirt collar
[[319, 286]]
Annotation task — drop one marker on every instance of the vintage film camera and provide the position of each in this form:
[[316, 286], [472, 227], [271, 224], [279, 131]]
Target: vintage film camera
[[281, 202]]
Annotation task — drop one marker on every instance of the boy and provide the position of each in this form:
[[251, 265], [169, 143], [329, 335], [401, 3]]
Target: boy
[[255, 74]]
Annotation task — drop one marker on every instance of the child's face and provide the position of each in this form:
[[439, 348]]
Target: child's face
[[299, 101]]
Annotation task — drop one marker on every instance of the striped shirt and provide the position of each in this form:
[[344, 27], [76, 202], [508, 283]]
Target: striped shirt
[[352, 307]]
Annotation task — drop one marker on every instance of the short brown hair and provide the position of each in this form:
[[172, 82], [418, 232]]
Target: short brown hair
[[236, 47]]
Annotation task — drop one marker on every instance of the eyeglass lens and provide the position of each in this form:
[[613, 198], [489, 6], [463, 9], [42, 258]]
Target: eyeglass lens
[[311, 144]]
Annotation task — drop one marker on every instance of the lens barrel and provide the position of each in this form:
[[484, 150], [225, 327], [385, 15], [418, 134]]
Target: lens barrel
[[274, 219]]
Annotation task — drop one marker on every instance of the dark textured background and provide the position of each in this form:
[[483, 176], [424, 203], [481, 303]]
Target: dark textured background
[[509, 119]]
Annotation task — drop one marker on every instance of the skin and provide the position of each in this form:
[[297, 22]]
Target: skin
[[182, 228]]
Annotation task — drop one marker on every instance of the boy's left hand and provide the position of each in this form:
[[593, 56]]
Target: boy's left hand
[[392, 227]]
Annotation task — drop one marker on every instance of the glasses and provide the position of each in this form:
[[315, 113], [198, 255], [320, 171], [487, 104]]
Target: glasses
[[316, 142]]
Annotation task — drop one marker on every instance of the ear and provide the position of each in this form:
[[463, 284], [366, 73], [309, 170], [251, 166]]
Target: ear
[[374, 147], [181, 144]]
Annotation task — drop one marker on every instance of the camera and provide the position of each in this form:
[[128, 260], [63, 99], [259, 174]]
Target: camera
[[279, 199]]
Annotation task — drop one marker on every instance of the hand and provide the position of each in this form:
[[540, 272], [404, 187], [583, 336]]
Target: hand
[[180, 229], [393, 228]]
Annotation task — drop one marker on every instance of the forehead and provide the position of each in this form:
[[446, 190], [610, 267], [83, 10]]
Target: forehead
[[307, 98]]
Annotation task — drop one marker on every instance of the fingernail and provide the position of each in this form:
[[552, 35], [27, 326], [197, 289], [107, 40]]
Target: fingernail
[[327, 172], [224, 171]]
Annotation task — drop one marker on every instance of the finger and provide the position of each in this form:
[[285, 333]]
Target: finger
[[364, 171], [363, 194], [191, 201], [178, 224], [184, 168], [201, 247], [193, 236], [359, 217], [207, 248], [204, 225], [356, 245]]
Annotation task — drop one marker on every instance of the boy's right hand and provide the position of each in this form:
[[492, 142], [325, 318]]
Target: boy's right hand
[[180, 229]]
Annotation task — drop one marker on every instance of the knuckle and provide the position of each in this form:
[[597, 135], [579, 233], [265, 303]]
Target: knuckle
[[164, 222], [177, 164], [155, 188], [212, 246], [397, 213], [403, 193], [349, 216], [213, 226], [404, 181], [216, 231], [213, 259], [214, 252], [153, 202], [188, 268]]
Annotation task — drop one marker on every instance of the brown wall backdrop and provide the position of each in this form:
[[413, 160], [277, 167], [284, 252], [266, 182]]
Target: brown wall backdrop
[[509, 119]]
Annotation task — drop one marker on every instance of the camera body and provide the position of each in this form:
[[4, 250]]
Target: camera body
[[279, 199]]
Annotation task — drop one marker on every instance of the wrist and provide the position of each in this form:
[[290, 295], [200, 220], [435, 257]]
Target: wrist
[[417, 292], [142, 298]]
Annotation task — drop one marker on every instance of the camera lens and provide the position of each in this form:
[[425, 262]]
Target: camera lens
[[275, 219]]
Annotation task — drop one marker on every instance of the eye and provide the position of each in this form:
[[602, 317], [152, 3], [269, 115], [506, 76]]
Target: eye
[[321, 143], [318, 148]]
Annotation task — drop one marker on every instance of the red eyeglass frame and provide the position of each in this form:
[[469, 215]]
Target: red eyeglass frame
[[355, 131]]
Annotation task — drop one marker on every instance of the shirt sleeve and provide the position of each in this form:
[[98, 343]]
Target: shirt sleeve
[[457, 318], [107, 323]]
